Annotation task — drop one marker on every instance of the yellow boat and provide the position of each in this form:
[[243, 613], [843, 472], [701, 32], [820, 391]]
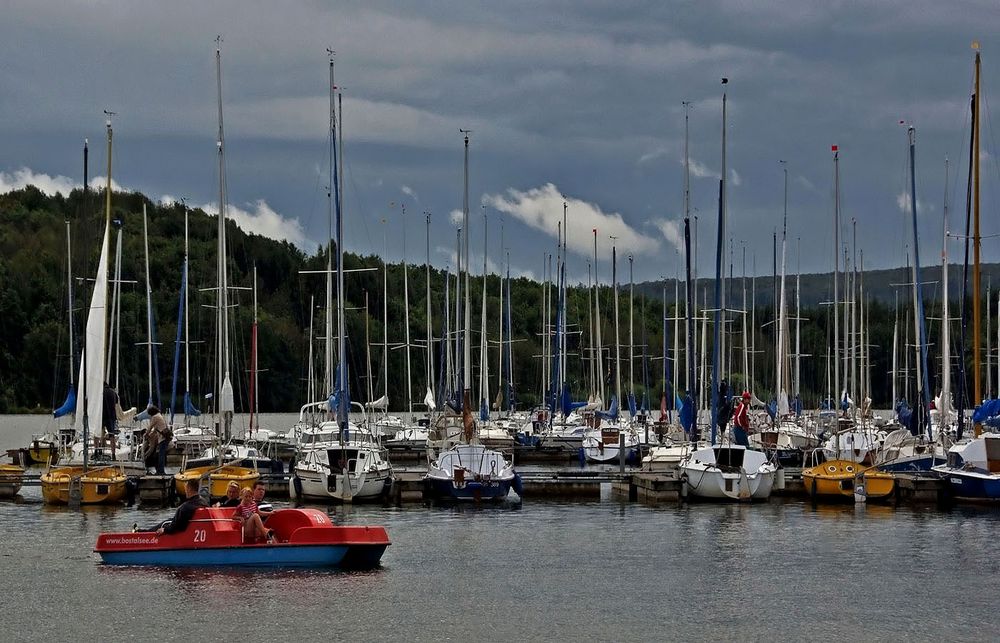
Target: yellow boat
[[101, 485], [11, 476], [218, 478], [836, 479], [41, 451]]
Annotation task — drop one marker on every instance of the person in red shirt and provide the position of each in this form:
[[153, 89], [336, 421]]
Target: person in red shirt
[[741, 420]]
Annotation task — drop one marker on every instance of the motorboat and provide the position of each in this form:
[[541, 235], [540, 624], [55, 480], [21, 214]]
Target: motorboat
[[302, 538], [973, 468]]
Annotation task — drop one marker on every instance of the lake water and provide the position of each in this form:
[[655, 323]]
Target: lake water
[[606, 570]]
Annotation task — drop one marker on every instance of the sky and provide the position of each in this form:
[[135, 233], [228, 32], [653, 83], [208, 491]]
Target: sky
[[577, 102]]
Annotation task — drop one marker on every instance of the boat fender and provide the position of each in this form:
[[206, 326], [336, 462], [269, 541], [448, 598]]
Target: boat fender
[[297, 486], [582, 456], [518, 485], [684, 486]]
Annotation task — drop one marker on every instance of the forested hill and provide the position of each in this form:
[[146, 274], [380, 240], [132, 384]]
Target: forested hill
[[34, 322]]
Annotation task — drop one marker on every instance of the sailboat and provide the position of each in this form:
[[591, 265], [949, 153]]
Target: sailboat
[[464, 468], [342, 462], [616, 440], [973, 467], [217, 476], [84, 484]]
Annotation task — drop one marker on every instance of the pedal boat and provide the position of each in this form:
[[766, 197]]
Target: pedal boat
[[303, 538]]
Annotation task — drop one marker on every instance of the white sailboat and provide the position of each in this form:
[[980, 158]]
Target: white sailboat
[[339, 460], [465, 469]]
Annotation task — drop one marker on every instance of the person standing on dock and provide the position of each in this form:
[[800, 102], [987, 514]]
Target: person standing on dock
[[687, 417], [158, 436], [741, 420]]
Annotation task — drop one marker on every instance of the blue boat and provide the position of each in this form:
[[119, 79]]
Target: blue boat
[[471, 472], [973, 468]]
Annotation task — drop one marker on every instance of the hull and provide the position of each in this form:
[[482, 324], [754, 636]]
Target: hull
[[910, 465], [972, 485], [323, 486], [218, 478], [712, 484], [41, 453], [471, 490], [11, 477], [303, 538], [96, 486], [837, 479]]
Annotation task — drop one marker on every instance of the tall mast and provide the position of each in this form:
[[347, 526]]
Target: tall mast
[[467, 343], [720, 337], [483, 359], [836, 273], [149, 310], [631, 342], [331, 166], [385, 311], [597, 327], [368, 351], [677, 308], [430, 339], [343, 388], [782, 357], [920, 332], [225, 405], [689, 294], [406, 319], [618, 343], [187, 332], [254, 399], [976, 336], [945, 404]]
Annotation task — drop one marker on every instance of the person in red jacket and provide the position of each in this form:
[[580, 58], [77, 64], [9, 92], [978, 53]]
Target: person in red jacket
[[741, 420]]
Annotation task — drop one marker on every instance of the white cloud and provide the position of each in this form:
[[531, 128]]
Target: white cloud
[[652, 155], [903, 202], [542, 208], [455, 216], [410, 192], [735, 178], [699, 170], [672, 231], [50, 185], [23, 177], [260, 218]]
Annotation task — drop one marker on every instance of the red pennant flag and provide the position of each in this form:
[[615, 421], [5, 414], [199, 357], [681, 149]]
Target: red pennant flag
[[833, 148]]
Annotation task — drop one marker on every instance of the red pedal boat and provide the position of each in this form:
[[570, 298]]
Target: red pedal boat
[[303, 538]]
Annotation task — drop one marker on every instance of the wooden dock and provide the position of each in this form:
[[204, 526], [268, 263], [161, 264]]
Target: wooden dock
[[560, 483]]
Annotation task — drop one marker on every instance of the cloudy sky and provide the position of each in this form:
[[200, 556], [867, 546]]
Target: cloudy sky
[[573, 101]]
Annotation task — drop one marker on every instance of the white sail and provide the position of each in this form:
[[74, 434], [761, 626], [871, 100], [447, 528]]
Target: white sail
[[95, 343], [381, 403], [429, 400]]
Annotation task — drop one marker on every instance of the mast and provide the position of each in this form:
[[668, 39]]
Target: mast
[[500, 350], [976, 336], [149, 311], [597, 328], [368, 351], [343, 386], [430, 339], [467, 343], [717, 340], [689, 294], [836, 273], [332, 168], [385, 312], [483, 365], [920, 332], [782, 357], [672, 404], [631, 342], [945, 404], [720, 300], [406, 319], [225, 405], [254, 398], [618, 343], [187, 326]]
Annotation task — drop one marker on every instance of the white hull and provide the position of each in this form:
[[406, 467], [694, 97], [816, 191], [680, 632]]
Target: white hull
[[750, 477], [317, 485]]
